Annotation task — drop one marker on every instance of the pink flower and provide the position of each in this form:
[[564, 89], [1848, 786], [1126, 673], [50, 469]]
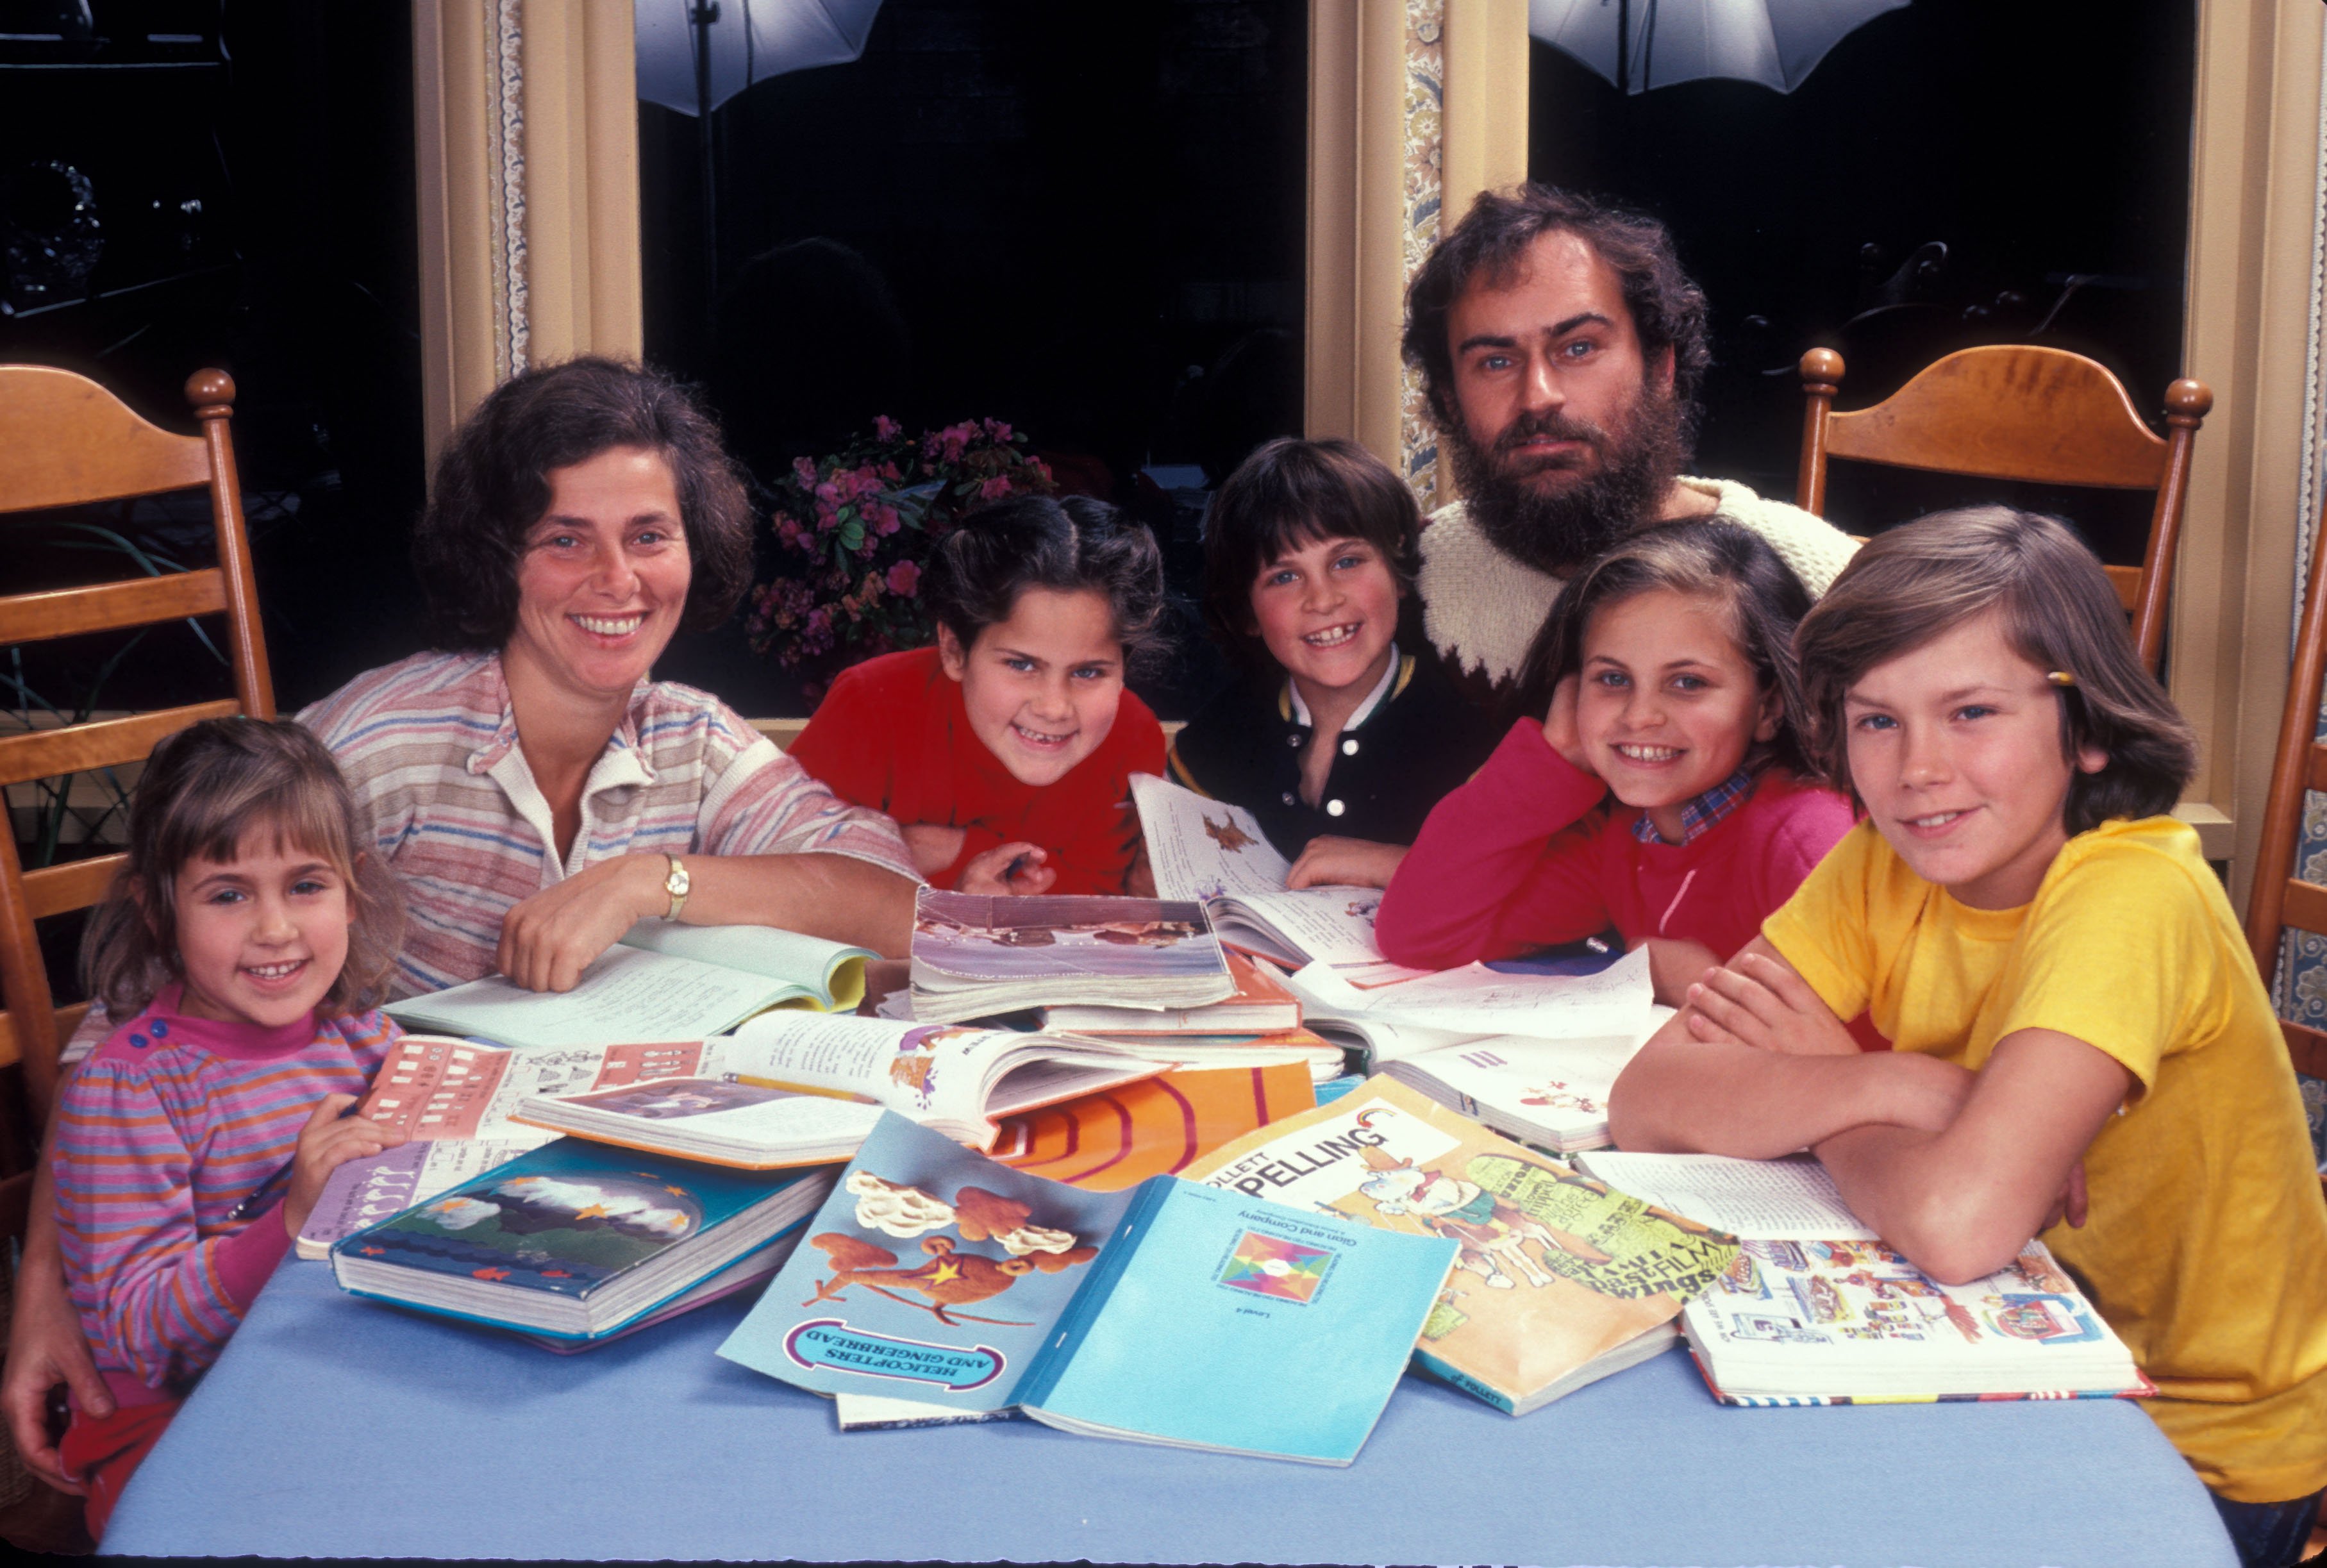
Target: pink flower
[[995, 488], [904, 578], [804, 469], [885, 428], [997, 430]]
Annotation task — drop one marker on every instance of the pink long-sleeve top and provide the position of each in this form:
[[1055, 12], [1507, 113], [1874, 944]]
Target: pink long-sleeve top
[[161, 1133], [1531, 852]]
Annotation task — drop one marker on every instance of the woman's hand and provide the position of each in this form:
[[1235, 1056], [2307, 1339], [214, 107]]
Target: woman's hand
[[1356, 863], [1760, 1001], [934, 846], [1018, 868], [549, 938], [1559, 724], [330, 1140]]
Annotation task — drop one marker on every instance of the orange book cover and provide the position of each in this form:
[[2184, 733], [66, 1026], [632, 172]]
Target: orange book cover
[[1118, 1137]]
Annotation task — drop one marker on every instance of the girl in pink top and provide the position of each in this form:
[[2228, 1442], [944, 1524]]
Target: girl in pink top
[[1665, 793], [246, 944]]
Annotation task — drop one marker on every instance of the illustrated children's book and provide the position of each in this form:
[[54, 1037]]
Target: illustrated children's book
[[1170, 1313], [795, 1088], [662, 982], [573, 1240], [1550, 1092], [1558, 1280], [1215, 854], [452, 1099], [975, 955], [1843, 1319]]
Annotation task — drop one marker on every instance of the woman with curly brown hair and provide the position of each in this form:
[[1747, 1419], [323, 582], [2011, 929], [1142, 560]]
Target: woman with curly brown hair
[[533, 790]]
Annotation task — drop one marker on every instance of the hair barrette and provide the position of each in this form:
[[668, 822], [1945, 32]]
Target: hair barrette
[[2059, 677]]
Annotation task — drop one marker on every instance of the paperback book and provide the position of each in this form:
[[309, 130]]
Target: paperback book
[[662, 982], [793, 1089], [974, 956], [1559, 1279], [1841, 1318], [1170, 1313], [572, 1240]]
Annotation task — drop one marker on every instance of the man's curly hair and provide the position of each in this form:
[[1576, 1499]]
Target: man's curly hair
[[1491, 243]]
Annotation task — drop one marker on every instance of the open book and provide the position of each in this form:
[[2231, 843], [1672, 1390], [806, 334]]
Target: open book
[[975, 955], [796, 1088], [1170, 1313], [1558, 1280], [1550, 1092], [1216, 854], [1816, 1311], [662, 982]]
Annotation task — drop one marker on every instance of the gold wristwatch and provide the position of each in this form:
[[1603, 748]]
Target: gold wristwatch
[[677, 885]]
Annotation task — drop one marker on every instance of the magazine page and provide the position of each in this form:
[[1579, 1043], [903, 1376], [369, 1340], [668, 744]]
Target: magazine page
[[1332, 926], [930, 1273], [435, 1086], [1790, 1199], [1203, 849], [831, 975], [626, 994]]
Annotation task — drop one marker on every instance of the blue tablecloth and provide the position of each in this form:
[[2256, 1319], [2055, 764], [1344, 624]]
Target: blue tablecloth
[[334, 1427]]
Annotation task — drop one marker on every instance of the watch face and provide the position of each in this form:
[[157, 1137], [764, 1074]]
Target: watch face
[[677, 883]]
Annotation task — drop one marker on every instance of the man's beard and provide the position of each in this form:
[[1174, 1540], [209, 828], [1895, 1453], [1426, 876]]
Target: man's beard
[[1559, 532]]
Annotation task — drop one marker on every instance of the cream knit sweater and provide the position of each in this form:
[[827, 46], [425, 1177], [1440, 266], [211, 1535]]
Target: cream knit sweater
[[1483, 609]]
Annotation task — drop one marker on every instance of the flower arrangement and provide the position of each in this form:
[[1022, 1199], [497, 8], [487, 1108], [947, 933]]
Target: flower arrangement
[[851, 532]]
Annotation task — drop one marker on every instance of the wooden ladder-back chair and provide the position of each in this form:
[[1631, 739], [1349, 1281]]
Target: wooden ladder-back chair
[[2015, 411], [66, 441], [2281, 896]]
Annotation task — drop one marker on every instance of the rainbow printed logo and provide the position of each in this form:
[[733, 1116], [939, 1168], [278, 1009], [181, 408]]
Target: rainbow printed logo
[[1268, 1265]]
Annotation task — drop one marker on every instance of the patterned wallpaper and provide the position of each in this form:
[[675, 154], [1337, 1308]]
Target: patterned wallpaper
[[1421, 187]]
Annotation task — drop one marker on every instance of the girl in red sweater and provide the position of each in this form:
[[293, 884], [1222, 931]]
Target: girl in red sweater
[[1666, 791], [1006, 753]]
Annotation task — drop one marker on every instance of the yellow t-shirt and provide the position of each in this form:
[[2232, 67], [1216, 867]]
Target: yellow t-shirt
[[2206, 1244]]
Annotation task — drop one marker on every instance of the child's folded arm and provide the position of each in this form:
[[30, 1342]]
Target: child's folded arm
[[126, 1224], [1502, 863], [1683, 1095], [1960, 1201]]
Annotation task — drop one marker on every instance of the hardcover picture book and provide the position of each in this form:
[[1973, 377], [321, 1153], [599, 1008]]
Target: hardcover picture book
[[662, 982], [1844, 1319], [572, 1240], [974, 956], [795, 1089], [1170, 1313], [1558, 1280]]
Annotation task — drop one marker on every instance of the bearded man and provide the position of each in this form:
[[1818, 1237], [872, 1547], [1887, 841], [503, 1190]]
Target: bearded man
[[1561, 346]]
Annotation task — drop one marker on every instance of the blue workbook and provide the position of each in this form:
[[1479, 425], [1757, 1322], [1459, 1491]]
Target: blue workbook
[[1171, 1313], [574, 1239]]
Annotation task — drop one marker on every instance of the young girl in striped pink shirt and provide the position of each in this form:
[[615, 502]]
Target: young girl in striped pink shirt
[[246, 942]]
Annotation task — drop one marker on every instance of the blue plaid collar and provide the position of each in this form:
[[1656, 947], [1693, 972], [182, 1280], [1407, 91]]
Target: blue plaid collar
[[1697, 817]]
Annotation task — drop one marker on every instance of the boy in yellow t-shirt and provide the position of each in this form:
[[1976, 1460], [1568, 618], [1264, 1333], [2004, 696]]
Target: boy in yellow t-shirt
[[2079, 1031]]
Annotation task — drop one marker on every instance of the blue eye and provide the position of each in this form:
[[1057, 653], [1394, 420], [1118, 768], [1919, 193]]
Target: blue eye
[[1689, 683], [1874, 722], [1975, 711], [1611, 678], [1578, 349]]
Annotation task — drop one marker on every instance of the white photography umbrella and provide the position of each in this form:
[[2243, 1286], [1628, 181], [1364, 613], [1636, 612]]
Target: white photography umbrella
[[1638, 44], [694, 55]]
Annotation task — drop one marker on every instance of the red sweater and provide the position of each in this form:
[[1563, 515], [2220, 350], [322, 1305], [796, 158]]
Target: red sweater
[[892, 735], [1526, 854]]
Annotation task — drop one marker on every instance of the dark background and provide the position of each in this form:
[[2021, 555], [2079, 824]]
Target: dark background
[[1084, 219]]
